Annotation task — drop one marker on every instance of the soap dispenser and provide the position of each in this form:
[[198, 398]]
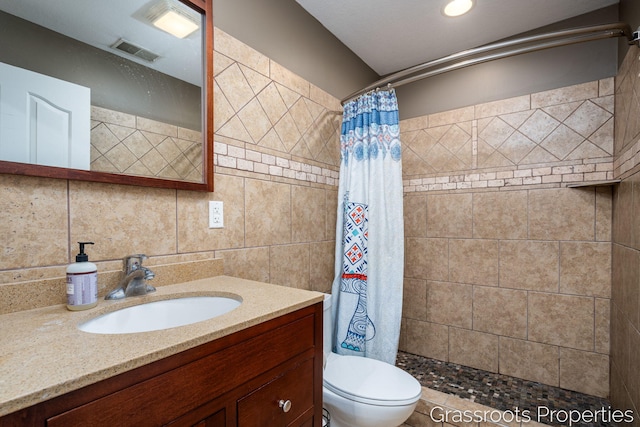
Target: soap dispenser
[[82, 282]]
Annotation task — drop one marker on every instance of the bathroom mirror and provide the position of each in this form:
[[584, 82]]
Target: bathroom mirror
[[147, 94]]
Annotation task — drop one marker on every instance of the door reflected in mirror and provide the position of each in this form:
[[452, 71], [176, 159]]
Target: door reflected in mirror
[[43, 120], [149, 106]]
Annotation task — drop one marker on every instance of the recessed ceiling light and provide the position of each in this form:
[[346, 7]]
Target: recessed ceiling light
[[173, 18], [457, 7]]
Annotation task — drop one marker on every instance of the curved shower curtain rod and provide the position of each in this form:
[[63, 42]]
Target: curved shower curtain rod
[[566, 37]]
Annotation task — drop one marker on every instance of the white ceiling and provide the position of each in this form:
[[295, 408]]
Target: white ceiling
[[388, 36], [101, 23], [393, 35]]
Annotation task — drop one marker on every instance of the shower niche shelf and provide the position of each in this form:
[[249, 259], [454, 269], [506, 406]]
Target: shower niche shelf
[[606, 183]]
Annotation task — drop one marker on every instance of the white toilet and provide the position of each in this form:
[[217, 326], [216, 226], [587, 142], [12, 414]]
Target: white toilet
[[363, 392]]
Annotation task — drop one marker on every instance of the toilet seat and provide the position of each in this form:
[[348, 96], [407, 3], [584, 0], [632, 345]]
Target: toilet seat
[[370, 381]]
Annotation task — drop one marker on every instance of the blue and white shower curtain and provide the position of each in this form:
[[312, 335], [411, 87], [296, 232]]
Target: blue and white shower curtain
[[367, 288]]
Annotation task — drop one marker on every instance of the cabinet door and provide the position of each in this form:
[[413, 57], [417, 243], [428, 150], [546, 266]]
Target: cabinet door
[[165, 397], [285, 401], [215, 420]]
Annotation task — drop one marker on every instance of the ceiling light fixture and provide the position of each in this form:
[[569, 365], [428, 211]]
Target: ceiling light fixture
[[173, 18], [457, 7]]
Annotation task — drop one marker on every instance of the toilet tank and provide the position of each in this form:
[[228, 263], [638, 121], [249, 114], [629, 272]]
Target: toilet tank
[[327, 327]]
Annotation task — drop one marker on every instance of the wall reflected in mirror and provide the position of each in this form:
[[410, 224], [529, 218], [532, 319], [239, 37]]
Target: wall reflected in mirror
[[146, 97]]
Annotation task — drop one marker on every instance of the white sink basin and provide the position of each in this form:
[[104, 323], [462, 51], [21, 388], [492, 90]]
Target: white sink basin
[[157, 315]]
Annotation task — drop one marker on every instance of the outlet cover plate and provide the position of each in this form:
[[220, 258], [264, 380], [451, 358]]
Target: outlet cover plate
[[216, 217]]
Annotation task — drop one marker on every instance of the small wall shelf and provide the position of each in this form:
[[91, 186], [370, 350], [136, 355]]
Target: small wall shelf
[[594, 183]]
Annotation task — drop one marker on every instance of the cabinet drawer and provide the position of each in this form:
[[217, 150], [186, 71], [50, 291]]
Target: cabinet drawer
[[261, 407]]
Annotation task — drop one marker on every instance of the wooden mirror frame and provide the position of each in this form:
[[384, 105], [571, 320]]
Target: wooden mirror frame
[[204, 7]]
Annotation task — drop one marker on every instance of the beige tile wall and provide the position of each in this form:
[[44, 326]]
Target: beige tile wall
[[276, 161], [625, 293], [507, 269]]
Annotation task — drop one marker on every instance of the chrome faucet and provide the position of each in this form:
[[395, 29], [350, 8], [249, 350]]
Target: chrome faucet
[[135, 277]]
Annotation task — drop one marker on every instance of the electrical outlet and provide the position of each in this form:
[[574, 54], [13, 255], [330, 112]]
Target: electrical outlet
[[216, 217]]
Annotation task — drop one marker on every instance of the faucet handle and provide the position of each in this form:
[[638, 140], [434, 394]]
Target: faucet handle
[[133, 262]]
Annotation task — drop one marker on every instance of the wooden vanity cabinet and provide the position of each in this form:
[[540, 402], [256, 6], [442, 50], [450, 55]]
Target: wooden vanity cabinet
[[246, 379]]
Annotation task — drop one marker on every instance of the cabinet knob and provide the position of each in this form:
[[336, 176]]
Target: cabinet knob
[[285, 405]]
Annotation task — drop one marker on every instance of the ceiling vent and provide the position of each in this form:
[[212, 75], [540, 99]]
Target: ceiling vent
[[134, 50]]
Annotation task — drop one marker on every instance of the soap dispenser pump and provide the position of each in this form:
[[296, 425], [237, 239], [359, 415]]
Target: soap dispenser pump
[[82, 282]]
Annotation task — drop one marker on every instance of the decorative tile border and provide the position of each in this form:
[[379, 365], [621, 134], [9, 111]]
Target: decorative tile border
[[242, 159], [627, 161], [230, 156], [558, 175]]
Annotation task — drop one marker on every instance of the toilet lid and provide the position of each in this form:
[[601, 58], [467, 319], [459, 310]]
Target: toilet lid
[[370, 381]]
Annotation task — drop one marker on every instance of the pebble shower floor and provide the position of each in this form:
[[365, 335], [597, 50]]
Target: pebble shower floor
[[496, 390]]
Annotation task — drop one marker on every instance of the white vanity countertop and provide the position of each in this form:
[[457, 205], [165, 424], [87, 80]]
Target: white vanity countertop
[[43, 354]]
